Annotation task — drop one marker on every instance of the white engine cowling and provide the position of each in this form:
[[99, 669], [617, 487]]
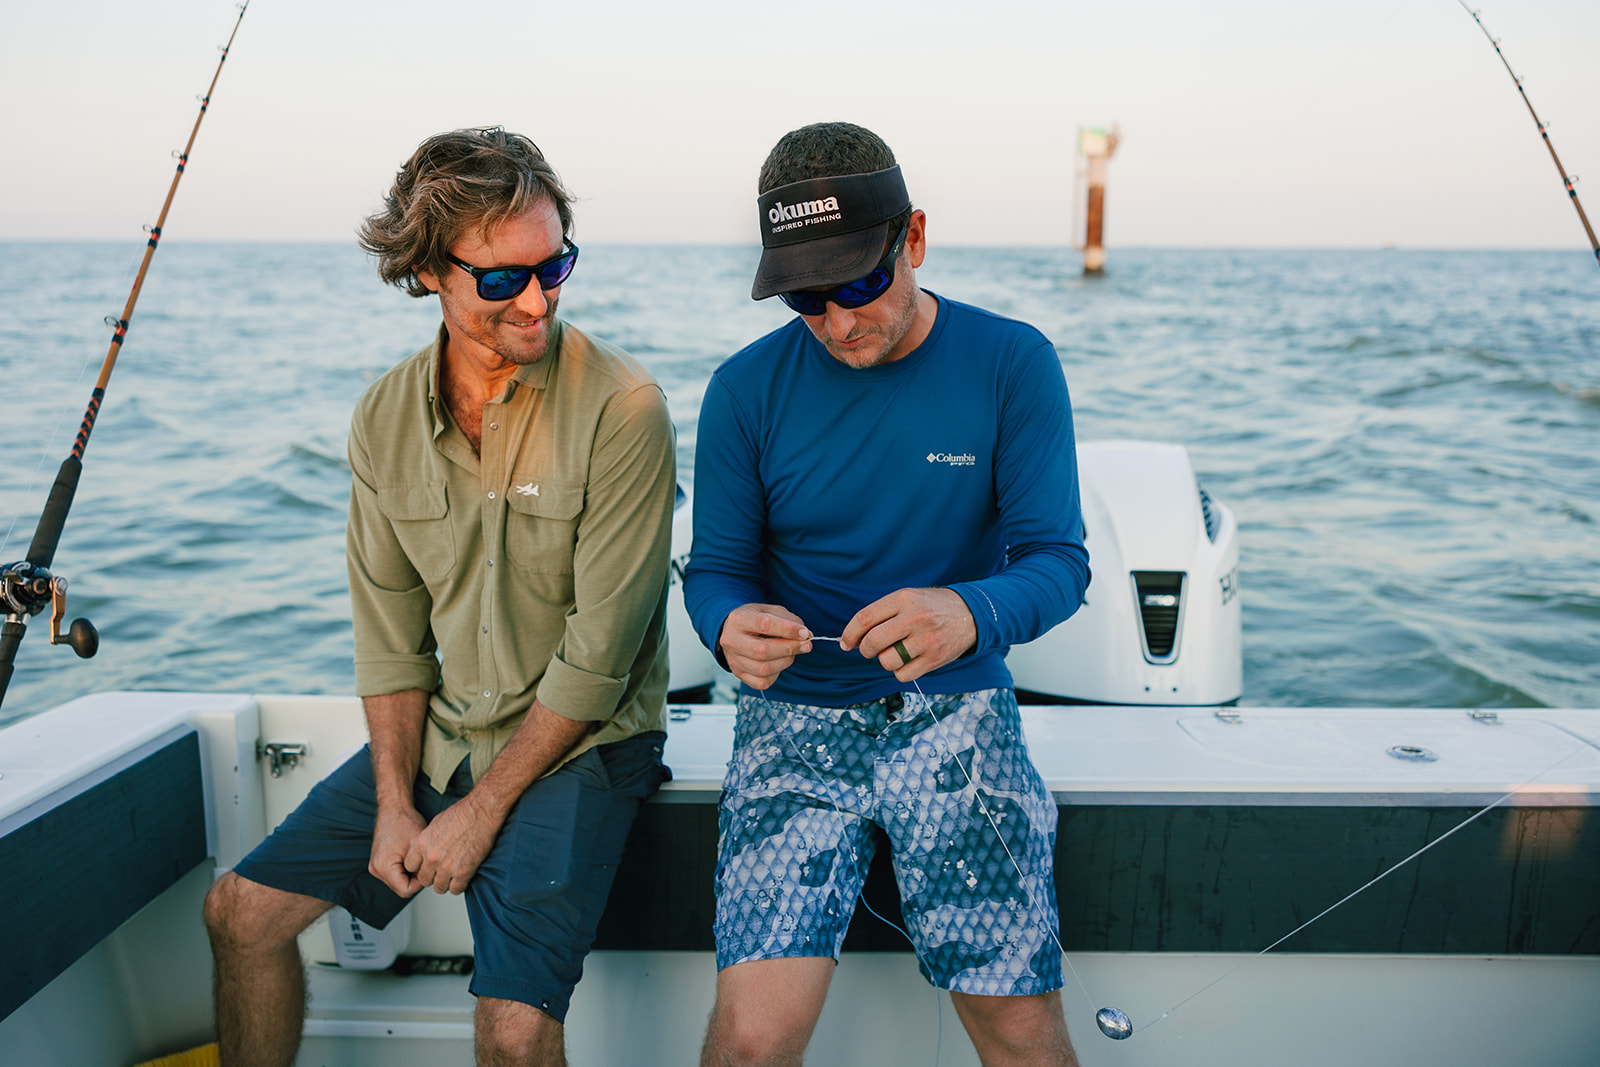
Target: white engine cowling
[[1161, 620], [693, 667]]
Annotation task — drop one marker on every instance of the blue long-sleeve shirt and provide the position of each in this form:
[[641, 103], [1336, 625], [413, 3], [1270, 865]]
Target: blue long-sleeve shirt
[[821, 488]]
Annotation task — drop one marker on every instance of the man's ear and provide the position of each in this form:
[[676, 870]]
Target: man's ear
[[917, 237]]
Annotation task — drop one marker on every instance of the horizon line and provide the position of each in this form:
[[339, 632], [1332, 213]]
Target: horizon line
[[143, 238]]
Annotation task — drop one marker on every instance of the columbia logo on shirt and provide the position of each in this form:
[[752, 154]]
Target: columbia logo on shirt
[[954, 459]]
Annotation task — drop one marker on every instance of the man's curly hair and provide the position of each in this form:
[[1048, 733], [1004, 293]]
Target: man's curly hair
[[456, 182]]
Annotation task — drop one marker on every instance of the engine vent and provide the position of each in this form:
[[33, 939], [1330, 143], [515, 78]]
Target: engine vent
[[1159, 596], [1209, 510]]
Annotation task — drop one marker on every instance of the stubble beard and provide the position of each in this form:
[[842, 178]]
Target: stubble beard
[[889, 335], [524, 355]]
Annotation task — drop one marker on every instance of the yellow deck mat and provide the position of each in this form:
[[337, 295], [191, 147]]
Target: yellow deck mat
[[205, 1056]]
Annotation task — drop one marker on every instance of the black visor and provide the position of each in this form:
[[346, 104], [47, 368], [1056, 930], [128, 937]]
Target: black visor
[[826, 231]]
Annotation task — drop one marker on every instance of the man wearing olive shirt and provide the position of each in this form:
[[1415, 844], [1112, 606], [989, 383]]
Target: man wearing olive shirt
[[510, 521]]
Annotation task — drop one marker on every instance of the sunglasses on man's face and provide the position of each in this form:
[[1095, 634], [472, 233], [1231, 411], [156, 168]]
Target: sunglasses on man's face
[[858, 293], [503, 283]]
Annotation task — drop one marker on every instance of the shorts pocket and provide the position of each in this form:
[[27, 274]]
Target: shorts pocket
[[555, 829], [633, 767], [545, 836], [420, 517], [542, 527]]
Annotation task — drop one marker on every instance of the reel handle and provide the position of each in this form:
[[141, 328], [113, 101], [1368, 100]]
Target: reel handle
[[81, 636]]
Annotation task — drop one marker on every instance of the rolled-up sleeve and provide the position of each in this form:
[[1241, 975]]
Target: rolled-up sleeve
[[624, 539], [395, 648]]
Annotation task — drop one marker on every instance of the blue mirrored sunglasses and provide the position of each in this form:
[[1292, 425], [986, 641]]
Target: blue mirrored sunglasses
[[503, 283], [858, 293]]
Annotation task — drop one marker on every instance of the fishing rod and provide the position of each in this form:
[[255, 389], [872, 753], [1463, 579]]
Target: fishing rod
[[27, 586], [1544, 131]]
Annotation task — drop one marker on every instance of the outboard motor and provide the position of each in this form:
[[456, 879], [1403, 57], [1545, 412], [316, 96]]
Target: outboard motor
[[693, 667], [1161, 620]]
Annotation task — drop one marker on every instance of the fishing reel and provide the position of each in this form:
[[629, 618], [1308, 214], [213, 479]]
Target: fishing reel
[[25, 588]]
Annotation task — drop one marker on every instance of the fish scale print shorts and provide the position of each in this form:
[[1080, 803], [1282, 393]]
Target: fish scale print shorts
[[806, 785]]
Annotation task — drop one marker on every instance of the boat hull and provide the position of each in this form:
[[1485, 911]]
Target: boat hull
[[1188, 842]]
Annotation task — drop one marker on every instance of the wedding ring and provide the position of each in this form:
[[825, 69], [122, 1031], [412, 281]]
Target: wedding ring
[[905, 657]]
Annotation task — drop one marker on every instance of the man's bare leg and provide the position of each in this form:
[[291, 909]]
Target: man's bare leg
[[766, 1011], [259, 981], [509, 1033], [1017, 1031]]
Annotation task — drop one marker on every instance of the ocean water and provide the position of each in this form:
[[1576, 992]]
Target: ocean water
[[1407, 438]]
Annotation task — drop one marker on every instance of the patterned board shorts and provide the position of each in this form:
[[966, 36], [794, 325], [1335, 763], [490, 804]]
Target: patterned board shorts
[[805, 788]]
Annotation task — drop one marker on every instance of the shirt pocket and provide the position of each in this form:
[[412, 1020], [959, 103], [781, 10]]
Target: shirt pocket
[[420, 516], [542, 528]]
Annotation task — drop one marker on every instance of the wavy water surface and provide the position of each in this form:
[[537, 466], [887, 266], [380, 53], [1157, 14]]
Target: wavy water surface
[[1408, 440]]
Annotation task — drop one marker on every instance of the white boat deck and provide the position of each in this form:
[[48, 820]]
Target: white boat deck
[[1095, 754], [1087, 753]]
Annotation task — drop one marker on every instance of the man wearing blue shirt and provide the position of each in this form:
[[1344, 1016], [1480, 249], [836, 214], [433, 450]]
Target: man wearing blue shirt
[[886, 500]]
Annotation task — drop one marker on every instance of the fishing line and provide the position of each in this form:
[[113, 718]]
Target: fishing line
[[1021, 879], [938, 1001], [27, 586], [1544, 131], [1110, 1023], [1351, 896], [1113, 1022], [1116, 1024]]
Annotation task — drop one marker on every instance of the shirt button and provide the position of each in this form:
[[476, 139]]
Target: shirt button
[[489, 562], [485, 629], [491, 494], [494, 426], [487, 693]]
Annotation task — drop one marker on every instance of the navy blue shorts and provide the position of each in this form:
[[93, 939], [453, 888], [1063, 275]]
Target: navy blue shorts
[[535, 902]]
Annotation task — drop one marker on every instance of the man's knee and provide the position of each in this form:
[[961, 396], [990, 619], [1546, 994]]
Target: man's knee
[[510, 1032], [766, 1010], [245, 916], [1016, 1025], [741, 1035]]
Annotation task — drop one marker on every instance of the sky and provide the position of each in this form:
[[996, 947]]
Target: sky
[[1245, 123]]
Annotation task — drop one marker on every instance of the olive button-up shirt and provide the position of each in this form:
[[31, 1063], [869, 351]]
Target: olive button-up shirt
[[536, 569]]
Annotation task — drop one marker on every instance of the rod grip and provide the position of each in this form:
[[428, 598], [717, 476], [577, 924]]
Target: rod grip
[[10, 637], [47, 536]]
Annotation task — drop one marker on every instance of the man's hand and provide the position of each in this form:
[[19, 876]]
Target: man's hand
[[392, 838], [448, 852], [395, 722], [932, 625], [760, 641]]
